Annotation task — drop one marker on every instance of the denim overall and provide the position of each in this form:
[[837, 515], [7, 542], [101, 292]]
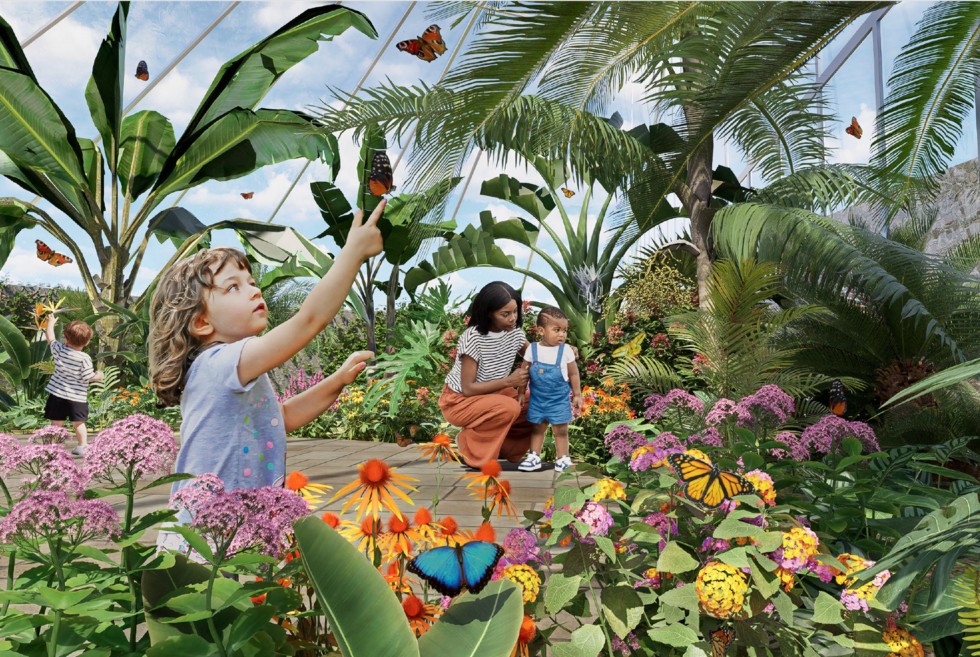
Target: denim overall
[[549, 401]]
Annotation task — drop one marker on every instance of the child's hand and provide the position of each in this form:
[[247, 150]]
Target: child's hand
[[577, 405], [364, 239], [98, 376], [353, 366]]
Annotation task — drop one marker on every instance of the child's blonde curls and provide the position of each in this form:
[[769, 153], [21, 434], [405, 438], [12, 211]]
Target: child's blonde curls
[[179, 299]]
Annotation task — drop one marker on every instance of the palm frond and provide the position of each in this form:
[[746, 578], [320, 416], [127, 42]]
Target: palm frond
[[965, 256], [644, 375], [824, 189], [914, 231], [967, 593]]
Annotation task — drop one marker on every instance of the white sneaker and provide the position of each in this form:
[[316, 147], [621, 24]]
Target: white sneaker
[[531, 463], [80, 450], [562, 464]]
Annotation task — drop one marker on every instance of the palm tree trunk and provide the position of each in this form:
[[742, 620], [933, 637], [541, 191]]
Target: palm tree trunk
[[390, 318], [699, 175]]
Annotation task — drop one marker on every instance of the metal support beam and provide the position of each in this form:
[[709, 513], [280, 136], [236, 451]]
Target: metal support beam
[[976, 113], [879, 95], [54, 21]]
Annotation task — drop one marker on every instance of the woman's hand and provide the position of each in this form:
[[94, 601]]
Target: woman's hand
[[518, 378], [353, 366]]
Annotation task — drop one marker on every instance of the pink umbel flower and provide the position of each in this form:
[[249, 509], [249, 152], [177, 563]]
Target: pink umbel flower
[[768, 406], [725, 410], [657, 406], [51, 435], [134, 446], [622, 441], [44, 514], [796, 446], [827, 434], [520, 546], [9, 448], [47, 467], [596, 517], [710, 437]]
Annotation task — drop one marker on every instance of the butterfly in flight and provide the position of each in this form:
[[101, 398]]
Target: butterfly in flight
[[854, 129], [631, 348], [451, 569], [720, 639], [567, 192], [838, 401], [142, 72], [48, 255], [247, 195], [705, 483], [425, 47], [381, 180]]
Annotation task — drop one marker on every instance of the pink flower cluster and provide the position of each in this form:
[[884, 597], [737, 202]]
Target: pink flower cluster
[[664, 525], [596, 517], [621, 441], [725, 410], [657, 405], [50, 513], [243, 518], [51, 435], [298, 382], [827, 434], [134, 446], [614, 334], [660, 343], [625, 646], [48, 467], [710, 437], [698, 363], [769, 406], [798, 450]]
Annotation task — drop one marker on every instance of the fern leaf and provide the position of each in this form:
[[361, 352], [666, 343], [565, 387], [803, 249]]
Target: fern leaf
[[967, 592]]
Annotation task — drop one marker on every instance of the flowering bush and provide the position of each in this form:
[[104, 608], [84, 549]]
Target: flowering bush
[[602, 405]]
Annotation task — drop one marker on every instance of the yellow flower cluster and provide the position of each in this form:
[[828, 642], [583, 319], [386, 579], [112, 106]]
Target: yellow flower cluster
[[698, 454], [526, 578], [721, 589], [609, 489], [901, 643], [853, 564], [605, 399], [643, 449], [799, 545], [132, 396], [763, 486]]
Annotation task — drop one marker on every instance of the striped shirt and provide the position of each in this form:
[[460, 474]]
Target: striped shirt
[[72, 370], [494, 354]]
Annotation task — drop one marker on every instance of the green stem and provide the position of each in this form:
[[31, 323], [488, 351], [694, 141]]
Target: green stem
[[215, 636], [13, 553], [60, 573], [602, 616], [135, 589], [435, 499]]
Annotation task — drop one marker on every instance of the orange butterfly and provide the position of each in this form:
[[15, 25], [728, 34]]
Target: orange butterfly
[[247, 195], [381, 179], [567, 192], [47, 254], [142, 72], [854, 129], [720, 639], [404, 441], [425, 47], [838, 402]]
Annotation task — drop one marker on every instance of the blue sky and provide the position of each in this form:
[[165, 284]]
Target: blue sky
[[158, 31]]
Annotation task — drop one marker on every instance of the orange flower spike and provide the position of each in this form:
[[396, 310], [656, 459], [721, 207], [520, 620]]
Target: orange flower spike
[[331, 519], [524, 636], [373, 489], [440, 448], [499, 496], [486, 476], [398, 540], [420, 615], [486, 533], [296, 480], [299, 483]]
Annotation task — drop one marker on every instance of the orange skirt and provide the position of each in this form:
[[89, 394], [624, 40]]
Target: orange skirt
[[494, 426]]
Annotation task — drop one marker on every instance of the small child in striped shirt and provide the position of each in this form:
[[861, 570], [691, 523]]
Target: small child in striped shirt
[[73, 371]]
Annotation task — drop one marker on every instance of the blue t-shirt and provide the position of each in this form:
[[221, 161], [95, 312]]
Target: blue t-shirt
[[235, 431]]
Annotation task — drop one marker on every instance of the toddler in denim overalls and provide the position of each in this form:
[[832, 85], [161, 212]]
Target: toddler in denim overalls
[[555, 389]]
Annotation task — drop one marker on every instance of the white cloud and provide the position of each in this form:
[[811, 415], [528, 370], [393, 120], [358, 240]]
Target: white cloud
[[23, 267], [272, 15], [846, 148]]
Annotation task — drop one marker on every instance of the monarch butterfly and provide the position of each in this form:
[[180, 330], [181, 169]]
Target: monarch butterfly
[[838, 402], [854, 129], [567, 192], [720, 639], [631, 348], [425, 47], [48, 255], [451, 569], [247, 195], [705, 483], [142, 72], [403, 441], [381, 179]]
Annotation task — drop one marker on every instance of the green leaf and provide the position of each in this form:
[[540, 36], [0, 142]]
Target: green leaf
[[676, 635], [248, 624], [481, 625], [623, 608], [606, 545], [184, 645], [560, 590], [536, 201], [675, 559], [684, 597], [586, 641], [62, 599], [145, 141], [17, 348], [827, 610], [355, 598], [104, 91], [13, 219]]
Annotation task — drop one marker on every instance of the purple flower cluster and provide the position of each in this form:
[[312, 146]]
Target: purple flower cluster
[[596, 517], [625, 646], [48, 467], [622, 441], [826, 435], [52, 434], [9, 447], [665, 526], [242, 518], [711, 544], [647, 458], [298, 382], [137, 444], [725, 410], [520, 546], [49, 513], [710, 437], [798, 450], [769, 407], [658, 405]]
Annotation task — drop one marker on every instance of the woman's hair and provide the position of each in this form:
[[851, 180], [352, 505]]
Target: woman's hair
[[179, 299], [489, 300], [78, 333]]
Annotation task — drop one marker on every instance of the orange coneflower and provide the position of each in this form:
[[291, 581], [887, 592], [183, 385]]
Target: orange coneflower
[[300, 483], [425, 526], [364, 534], [373, 488], [487, 475], [397, 578], [498, 496], [485, 533], [420, 616], [441, 447], [331, 519], [399, 538], [449, 532], [524, 636]]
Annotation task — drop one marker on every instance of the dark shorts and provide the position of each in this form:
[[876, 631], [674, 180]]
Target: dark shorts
[[58, 409]]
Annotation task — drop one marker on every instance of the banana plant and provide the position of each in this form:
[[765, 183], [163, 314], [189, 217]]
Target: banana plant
[[96, 187], [15, 359]]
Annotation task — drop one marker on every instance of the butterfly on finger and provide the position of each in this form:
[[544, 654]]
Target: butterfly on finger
[[854, 129], [838, 401], [426, 47], [48, 255], [451, 569], [705, 484]]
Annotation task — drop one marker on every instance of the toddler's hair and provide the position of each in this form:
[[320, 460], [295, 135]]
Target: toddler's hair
[[78, 334], [552, 313], [178, 301], [489, 300]]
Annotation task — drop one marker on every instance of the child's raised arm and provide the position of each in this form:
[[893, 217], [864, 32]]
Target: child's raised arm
[[49, 321], [284, 341]]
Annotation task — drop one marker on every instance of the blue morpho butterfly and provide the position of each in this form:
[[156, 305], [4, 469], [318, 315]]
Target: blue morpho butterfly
[[451, 569]]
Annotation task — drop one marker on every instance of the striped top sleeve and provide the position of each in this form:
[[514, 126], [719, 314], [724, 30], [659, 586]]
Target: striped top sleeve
[[494, 354], [72, 371]]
